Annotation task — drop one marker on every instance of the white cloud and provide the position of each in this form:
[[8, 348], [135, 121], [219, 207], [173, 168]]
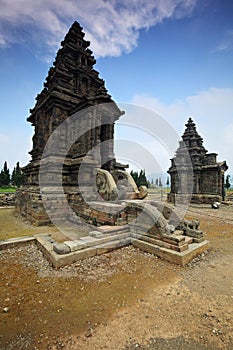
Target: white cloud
[[2, 42], [211, 110], [112, 26]]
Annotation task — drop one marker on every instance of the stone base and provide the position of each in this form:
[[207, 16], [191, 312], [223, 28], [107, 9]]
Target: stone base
[[179, 258], [194, 198], [105, 240], [88, 246], [205, 198], [29, 204]]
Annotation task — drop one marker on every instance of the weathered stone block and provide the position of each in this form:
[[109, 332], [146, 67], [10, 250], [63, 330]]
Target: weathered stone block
[[61, 248], [194, 233], [75, 245]]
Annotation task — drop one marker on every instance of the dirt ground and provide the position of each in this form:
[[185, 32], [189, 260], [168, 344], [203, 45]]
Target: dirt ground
[[123, 300]]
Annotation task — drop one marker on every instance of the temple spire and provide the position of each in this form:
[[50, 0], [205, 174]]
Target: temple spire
[[193, 141]]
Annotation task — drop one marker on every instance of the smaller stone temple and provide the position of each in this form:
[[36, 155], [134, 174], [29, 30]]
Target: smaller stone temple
[[194, 171]]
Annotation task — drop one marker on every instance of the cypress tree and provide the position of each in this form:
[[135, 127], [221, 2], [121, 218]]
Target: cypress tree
[[17, 176], [5, 175], [227, 183]]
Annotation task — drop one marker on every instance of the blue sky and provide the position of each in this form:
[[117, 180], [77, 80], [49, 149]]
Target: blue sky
[[172, 56]]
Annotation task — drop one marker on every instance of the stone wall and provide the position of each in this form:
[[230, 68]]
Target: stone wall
[[7, 199], [97, 213]]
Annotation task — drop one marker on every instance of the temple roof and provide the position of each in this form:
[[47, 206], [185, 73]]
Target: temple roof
[[191, 138], [191, 149], [72, 78]]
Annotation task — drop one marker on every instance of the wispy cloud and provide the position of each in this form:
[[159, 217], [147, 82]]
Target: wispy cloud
[[112, 26]]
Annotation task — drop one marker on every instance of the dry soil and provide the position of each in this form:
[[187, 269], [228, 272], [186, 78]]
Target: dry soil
[[123, 300]]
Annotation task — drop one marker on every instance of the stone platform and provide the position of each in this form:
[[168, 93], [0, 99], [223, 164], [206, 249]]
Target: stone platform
[[98, 243], [176, 249], [152, 226]]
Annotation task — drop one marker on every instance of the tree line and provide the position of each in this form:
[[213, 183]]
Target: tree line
[[14, 179], [141, 179]]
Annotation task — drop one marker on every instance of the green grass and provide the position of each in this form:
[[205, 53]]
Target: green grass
[[7, 189]]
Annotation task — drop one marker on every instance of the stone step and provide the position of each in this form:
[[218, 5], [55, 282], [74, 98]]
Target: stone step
[[179, 258], [161, 243]]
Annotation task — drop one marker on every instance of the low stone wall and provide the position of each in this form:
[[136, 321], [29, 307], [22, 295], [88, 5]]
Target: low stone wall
[[7, 199], [30, 204]]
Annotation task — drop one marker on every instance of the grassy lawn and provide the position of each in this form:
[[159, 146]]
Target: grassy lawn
[[7, 189], [12, 226]]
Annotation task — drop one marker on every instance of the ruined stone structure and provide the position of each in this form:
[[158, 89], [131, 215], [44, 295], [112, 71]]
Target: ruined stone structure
[[72, 88], [73, 172], [194, 171]]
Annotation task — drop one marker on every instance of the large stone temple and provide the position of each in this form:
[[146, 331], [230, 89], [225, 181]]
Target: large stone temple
[[194, 171], [75, 107]]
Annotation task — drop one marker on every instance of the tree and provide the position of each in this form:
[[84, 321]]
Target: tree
[[17, 177], [140, 179], [5, 176], [160, 182], [134, 175], [167, 183], [227, 183]]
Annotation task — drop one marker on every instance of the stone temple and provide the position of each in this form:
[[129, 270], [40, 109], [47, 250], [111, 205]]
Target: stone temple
[[73, 86], [201, 174], [73, 179]]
